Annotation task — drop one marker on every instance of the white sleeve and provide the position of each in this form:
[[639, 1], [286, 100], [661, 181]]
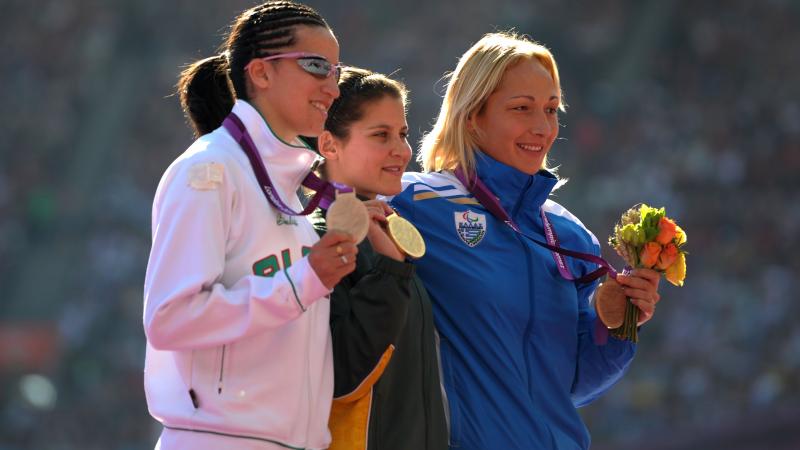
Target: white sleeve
[[185, 305]]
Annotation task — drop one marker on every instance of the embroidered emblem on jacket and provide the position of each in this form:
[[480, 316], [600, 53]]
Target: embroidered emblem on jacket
[[286, 220], [206, 176], [470, 226]]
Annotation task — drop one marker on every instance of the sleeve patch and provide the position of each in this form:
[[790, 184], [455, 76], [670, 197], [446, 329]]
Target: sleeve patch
[[206, 176]]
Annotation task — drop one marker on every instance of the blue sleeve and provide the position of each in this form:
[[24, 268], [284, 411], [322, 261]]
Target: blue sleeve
[[403, 203], [599, 366]]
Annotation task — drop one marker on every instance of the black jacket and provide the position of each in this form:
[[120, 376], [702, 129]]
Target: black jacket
[[386, 368]]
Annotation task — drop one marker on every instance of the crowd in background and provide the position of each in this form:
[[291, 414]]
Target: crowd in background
[[688, 105]]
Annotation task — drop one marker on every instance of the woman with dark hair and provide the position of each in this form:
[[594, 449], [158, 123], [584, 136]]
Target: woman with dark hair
[[387, 393], [236, 310]]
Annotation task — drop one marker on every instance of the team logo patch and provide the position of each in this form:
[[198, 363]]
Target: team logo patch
[[470, 226]]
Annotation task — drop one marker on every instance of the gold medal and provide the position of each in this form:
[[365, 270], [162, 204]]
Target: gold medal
[[405, 236], [347, 213], [610, 302]]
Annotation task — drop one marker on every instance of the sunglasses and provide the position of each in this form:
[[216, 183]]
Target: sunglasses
[[312, 63]]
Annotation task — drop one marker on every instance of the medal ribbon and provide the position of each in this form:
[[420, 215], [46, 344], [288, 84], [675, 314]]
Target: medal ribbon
[[488, 200], [485, 197], [325, 192]]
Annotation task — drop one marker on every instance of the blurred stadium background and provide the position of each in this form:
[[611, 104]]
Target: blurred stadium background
[[694, 105]]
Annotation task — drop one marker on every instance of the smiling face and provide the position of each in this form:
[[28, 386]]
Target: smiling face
[[375, 153], [518, 123], [294, 101]]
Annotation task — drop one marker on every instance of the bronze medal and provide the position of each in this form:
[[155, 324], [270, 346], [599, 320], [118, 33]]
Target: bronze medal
[[610, 302]]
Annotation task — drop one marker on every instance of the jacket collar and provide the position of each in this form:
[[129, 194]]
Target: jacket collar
[[513, 187], [287, 164]]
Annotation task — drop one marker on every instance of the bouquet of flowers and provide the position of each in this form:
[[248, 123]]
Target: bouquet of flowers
[[646, 237]]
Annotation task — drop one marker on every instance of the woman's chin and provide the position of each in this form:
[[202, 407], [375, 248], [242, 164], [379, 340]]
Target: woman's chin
[[390, 191], [313, 129]]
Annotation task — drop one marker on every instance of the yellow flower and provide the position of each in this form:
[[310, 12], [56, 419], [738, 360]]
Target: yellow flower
[[680, 235], [676, 273]]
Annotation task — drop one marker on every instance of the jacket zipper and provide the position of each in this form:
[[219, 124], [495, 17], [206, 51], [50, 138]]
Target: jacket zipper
[[192, 393], [521, 199], [221, 370], [529, 330], [529, 260], [445, 402]]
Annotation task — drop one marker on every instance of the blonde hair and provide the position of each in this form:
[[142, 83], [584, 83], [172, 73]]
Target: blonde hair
[[449, 144]]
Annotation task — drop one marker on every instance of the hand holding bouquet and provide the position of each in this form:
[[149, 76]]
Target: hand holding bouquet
[[644, 237]]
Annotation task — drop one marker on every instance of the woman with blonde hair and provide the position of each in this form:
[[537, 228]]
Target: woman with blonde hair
[[520, 345]]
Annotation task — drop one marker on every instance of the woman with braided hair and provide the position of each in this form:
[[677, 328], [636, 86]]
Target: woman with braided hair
[[235, 298]]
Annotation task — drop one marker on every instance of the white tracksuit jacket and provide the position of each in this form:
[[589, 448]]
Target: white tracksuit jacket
[[231, 353]]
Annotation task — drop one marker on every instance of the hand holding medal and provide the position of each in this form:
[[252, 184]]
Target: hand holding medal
[[652, 243], [334, 255], [392, 235], [405, 236]]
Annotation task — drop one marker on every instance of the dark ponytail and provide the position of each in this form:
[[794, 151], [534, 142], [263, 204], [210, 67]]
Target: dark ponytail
[[209, 87], [205, 93]]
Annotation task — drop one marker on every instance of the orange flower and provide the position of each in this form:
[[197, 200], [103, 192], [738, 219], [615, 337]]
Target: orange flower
[[676, 273], [649, 256], [667, 256], [666, 231]]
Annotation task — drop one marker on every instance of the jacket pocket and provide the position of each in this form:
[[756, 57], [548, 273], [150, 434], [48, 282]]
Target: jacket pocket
[[449, 394]]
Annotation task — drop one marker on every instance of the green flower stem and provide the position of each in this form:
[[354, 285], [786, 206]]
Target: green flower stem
[[633, 333], [629, 329]]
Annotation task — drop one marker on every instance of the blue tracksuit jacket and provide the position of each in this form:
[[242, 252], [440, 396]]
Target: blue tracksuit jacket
[[515, 337]]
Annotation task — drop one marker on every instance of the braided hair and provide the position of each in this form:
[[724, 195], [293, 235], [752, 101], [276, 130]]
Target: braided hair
[[209, 87]]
